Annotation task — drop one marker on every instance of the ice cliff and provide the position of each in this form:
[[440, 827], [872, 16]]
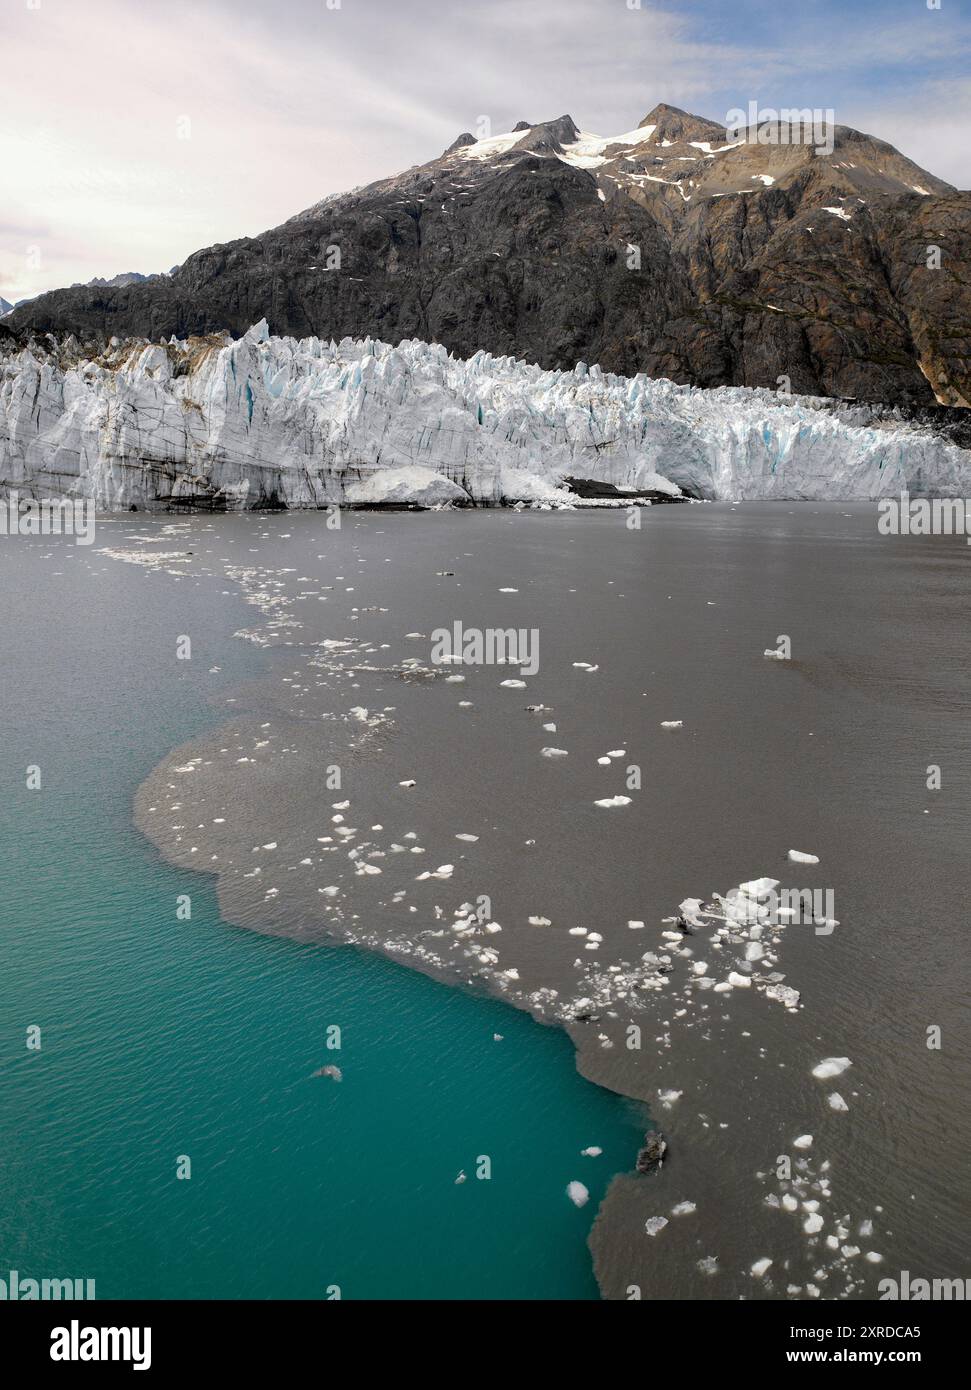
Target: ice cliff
[[263, 421]]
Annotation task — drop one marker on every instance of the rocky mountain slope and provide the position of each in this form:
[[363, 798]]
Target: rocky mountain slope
[[668, 250], [260, 421]]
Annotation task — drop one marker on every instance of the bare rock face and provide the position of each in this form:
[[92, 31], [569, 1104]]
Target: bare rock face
[[670, 250]]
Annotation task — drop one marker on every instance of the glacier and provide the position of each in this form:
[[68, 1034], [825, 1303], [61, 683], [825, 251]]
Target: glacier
[[263, 421]]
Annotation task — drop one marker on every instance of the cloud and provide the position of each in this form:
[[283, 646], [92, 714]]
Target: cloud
[[134, 134]]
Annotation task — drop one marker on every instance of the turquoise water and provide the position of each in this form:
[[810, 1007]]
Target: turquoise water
[[163, 1038]]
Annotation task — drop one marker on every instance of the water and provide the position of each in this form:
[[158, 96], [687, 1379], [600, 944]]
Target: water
[[309, 1183], [163, 1038]]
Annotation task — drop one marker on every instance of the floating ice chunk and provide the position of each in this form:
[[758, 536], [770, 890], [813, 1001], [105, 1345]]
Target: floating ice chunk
[[836, 1102], [271, 845], [540, 922], [616, 752], [739, 981], [668, 1098], [709, 1265], [471, 838], [784, 993], [760, 1267], [759, 887], [514, 685], [803, 1142], [654, 1224], [554, 752], [604, 762], [873, 1257], [831, 1066], [812, 1224], [613, 801], [577, 1194], [636, 926], [684, 1209], [409, 783], [699, 967], [672, 723], [592, 1152], [798, 857], [789, 1202], [578, 931]]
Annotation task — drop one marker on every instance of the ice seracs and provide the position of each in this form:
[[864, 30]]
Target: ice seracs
[[307, 423]]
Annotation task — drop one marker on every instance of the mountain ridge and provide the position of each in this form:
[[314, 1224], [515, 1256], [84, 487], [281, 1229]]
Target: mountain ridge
[[669, 249]]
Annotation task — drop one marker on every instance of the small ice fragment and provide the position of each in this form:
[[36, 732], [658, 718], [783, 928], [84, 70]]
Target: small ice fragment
[[672, 723], [554, 752], [831, 1066], [540, 922], [513, 685], [613, 801], [684, 1209], [812, 1224], [654, 1224], [803, 1142], [836, 1102], [798, 857], [760, 1267], [592, 1152], [577, 1194]]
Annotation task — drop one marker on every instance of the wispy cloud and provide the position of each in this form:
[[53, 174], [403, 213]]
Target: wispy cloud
[[134, 134]]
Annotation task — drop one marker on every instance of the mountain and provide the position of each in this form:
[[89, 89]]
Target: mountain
[[128, 277], [5, 306], [669, 249], [262, 421]]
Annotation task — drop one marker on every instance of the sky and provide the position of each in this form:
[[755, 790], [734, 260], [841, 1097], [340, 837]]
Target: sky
[[132, 133]]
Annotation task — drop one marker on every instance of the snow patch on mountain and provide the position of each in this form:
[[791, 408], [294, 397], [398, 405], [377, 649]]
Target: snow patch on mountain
[[309, 423]]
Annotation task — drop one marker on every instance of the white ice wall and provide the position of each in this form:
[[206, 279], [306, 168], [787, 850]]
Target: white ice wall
[[310, 423]]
